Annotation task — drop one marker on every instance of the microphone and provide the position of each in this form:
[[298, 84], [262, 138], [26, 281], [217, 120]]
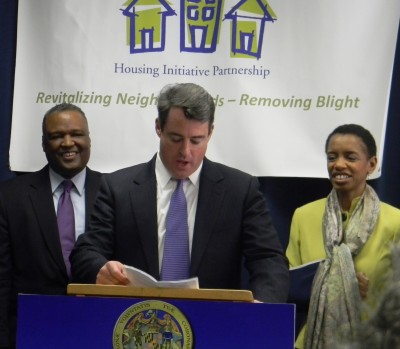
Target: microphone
[[344, 216]]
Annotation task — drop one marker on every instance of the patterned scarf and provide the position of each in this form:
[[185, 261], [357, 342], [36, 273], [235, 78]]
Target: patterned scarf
[[335, 298]]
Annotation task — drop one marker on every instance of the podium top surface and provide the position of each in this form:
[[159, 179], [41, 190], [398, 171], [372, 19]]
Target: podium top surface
[[193, 294]]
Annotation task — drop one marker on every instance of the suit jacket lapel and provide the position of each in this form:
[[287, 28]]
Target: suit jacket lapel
[[143, 196], [211, 193], [43, 206]]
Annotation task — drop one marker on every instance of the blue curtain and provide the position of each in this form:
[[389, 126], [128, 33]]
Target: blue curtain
[[8, 32], [283, 194]]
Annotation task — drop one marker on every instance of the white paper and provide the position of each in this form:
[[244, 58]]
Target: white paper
[[307, 264], [138, 278]]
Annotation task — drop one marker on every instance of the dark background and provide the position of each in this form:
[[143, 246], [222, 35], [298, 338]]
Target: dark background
[[283, 194]]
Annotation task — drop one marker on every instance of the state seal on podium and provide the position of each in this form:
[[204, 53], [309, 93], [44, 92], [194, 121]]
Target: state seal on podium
[[152, 325]]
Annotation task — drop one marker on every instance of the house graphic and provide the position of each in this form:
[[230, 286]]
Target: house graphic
[[146, 24], [200, 22], [248, 18]]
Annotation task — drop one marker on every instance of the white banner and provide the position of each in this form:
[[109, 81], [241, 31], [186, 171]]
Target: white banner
[[283, 74]]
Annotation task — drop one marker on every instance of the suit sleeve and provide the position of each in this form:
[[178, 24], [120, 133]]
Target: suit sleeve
[[96, 246], [264, 257]]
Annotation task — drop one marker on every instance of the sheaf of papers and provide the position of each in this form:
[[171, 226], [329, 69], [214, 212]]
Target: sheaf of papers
[[139, 278]]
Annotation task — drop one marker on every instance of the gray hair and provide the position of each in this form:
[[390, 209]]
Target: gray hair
[[195, 101], [60, 108]]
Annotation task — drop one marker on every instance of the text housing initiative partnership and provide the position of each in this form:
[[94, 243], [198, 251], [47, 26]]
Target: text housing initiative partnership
[[215, 70]]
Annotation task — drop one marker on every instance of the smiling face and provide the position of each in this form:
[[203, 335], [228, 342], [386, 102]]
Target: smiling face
[[66, 142], [349, 164], [183, 143]]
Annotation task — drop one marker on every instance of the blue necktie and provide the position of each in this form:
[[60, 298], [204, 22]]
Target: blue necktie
[[66, 222], [176, 261]]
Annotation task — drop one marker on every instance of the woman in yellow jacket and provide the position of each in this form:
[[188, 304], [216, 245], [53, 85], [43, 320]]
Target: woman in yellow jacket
[[352, 232]]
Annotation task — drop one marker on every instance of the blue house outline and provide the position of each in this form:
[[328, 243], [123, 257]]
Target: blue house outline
[[246, 39], [143, 39], [189, 29]]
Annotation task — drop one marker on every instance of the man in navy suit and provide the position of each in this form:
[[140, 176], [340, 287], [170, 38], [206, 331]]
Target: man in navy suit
[[31, 258], [228, 218]]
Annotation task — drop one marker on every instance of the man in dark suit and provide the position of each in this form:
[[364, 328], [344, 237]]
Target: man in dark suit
[[228, 219], [31, 258]]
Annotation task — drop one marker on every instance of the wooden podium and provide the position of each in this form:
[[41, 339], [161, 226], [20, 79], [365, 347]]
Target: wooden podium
[[119, 317]]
